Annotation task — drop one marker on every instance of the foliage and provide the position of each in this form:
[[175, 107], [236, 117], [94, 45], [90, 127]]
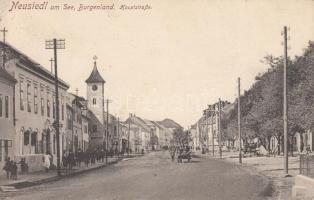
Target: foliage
[[262, 104], [181, 137]]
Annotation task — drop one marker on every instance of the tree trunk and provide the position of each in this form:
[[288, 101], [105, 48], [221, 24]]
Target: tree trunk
[[290, 145], [278, 144], [301, 142]]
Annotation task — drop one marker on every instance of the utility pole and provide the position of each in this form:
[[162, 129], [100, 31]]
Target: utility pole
[[118, 134], [107, 129], [129, 134], [51, 65], [207, 137], [56, 44], [239, 122], [212, 112], [4, 31], [219, 127], [285, 107]]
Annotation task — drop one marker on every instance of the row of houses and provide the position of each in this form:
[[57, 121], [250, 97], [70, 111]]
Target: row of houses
[[204, 135], [28, 112]]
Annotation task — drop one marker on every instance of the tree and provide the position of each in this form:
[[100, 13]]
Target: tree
[[262, 104]]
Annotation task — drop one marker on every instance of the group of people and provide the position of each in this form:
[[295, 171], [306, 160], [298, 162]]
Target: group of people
[[11, 168], [178, 150], [89, 157]]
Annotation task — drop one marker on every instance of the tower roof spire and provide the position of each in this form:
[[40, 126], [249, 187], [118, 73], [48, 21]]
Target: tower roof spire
[[95, 76]]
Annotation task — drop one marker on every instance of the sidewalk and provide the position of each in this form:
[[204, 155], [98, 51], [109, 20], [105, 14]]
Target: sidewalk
[[41, 177], [271, 167]]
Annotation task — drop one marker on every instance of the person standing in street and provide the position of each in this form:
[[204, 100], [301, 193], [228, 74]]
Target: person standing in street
[[71, 160], [47, 162], [14, 171], [7, 167], [172, 152]]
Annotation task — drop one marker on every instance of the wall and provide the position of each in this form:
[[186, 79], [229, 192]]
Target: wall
[[303, 188], [7, 130], [36, 122]]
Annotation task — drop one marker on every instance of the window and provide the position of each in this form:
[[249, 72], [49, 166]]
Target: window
[[94, 128], [28, 91], [94, 101], [34, 139], [53, 108], [6, 148], [62, 111], [26, 138], [6, 106], [85, 129], [42, 106], [0, 150], [48, 108], [54, 144], [1, 104], [21, 95], [69, 119], [94, 87], [35, 99]]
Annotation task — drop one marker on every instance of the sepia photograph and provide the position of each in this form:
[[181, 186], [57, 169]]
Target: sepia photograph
[[156, 100]]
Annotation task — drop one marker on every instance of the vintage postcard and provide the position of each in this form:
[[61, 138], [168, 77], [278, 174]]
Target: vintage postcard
[[156, 99]]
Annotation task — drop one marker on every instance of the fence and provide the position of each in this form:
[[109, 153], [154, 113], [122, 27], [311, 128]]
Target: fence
[[307, 165]]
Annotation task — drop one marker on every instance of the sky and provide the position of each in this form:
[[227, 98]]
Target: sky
[[169, 61]]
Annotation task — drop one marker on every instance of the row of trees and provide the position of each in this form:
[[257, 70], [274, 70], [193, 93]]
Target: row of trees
[[262, 104]]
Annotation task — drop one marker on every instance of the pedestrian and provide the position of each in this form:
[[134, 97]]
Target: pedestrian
[[11, 169], [51, 162], [7, 167], [71, 160], [24, 166], [172, 152], [64, 160], [14, 171], [79, 157], [93, 158], [102, 154], [47, 162], [86, 158]]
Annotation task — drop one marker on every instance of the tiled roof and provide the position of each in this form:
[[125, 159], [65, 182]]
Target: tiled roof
[[95, 76], [138, 121], [4, 74], [24, 59], [169, 123]]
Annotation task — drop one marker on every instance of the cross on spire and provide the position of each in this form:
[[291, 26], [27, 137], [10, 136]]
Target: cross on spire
[[4, 31], [95, 58]]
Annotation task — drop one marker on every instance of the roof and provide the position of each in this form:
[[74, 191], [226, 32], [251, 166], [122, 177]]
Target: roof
[[140, 122], [148, 122], [95, 76], [158, 125], [4, 74], [28, 62], [169, 123]]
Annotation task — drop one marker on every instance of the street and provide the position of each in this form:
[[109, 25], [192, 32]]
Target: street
[[154, 176]]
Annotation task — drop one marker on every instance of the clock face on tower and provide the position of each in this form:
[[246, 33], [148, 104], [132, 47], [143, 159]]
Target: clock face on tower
[[94, 87]]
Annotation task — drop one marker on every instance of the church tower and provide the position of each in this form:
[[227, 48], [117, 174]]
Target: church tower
[[95, 93]]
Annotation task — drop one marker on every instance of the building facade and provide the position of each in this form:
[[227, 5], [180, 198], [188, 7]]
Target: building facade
[[7, 122], [35, 108]]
